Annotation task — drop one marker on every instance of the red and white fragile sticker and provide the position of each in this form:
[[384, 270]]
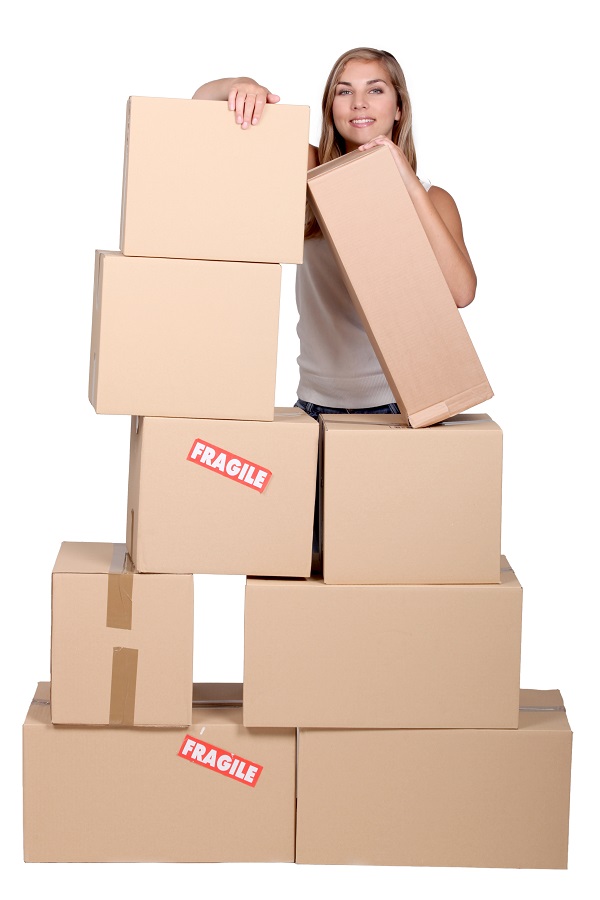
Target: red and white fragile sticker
[[219, 760], [228, 464]]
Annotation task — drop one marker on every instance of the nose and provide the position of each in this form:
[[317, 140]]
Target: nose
[[359, 101]]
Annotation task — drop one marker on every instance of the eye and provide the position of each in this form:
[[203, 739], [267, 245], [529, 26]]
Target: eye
[[376, 91], [343, 91]]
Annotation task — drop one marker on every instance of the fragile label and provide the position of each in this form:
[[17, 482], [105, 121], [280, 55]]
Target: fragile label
[[219, 760], [228, 464]]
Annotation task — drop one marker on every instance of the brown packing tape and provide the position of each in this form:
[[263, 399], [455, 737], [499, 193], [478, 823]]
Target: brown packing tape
[[119, 599], [122, 688]]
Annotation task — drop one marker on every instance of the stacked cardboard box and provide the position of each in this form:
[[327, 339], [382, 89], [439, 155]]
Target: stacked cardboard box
[[382, 721], [184, 339], [400, 663]]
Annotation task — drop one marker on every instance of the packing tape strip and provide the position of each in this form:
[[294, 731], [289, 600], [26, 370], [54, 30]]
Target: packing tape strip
[[122, 688], [119, 599], [542, 708], [366, 425], [216, 704]]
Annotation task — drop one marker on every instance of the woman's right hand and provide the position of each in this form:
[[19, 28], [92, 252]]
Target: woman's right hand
[[248, 98]]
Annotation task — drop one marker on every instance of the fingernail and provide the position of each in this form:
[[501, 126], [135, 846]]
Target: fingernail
[[244, 124], [239, 120], [255, 121]]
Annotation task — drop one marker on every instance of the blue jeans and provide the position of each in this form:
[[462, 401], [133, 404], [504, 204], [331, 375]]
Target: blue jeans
[[314, 410]]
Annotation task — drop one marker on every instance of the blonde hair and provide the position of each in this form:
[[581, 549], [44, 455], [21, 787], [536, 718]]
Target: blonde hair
[[332, 144]]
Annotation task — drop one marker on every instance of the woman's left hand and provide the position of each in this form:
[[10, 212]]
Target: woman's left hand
[[408, 176]]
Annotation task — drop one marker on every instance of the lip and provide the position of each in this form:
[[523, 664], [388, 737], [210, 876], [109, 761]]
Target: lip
[[362, 122]]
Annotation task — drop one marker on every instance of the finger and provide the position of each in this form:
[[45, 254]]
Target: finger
[[248, 109], [258, 108], [239, 106], [231, 99], [373, 142], [273, 98]]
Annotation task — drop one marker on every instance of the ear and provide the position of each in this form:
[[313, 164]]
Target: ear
[[398, 115]]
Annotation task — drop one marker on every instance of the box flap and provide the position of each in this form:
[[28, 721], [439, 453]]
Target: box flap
[[217, 704], [508, 579], [292, 414], [39, 710], [542, 711], [88, 558], [507, 574], [217, 694], [212, 704], [362, 421]]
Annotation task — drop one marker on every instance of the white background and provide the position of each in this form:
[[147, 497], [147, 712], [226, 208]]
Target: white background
[[505, 105]]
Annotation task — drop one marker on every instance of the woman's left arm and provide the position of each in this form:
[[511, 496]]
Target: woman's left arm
[[441, 222]]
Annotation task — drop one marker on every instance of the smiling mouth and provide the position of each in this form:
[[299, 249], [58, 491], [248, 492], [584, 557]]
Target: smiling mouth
[[361, 123]]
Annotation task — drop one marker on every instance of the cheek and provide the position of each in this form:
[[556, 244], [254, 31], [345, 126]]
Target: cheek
[[336, 112]]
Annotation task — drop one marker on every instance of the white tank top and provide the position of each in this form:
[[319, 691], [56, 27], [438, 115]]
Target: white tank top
[[338, 366]]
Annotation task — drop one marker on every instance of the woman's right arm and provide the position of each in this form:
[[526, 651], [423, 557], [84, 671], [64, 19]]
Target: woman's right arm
[[245, 96]]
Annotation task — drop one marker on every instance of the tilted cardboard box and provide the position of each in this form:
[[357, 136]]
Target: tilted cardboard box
[[223, 497], [214, 793], [411, 506], [197, 186], [184, 337], [122, 642], [382, 656], [393, 277], [493, 798]]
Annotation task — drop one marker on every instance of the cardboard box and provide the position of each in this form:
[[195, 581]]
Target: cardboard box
[[196, 186], [382, 656], [184, 337], [397, 286], [406, 506], [122, 642], [158, 795], [488, 798], [223, 497]]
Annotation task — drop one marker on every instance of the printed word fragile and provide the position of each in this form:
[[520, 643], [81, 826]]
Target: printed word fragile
[[218, 760], [228, 464]]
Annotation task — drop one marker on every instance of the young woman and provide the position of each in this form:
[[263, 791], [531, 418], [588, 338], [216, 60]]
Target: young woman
[[365, 103]]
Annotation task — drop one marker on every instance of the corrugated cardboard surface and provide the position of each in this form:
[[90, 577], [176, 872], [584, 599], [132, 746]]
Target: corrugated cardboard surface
[[439, 797], [197, 186], [187, 518], [397, 285], [184, 337], [411, 506], [124, 794], [382, 656], [122, 641]]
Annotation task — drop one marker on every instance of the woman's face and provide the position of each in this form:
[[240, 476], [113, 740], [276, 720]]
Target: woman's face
[[365, 103]]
